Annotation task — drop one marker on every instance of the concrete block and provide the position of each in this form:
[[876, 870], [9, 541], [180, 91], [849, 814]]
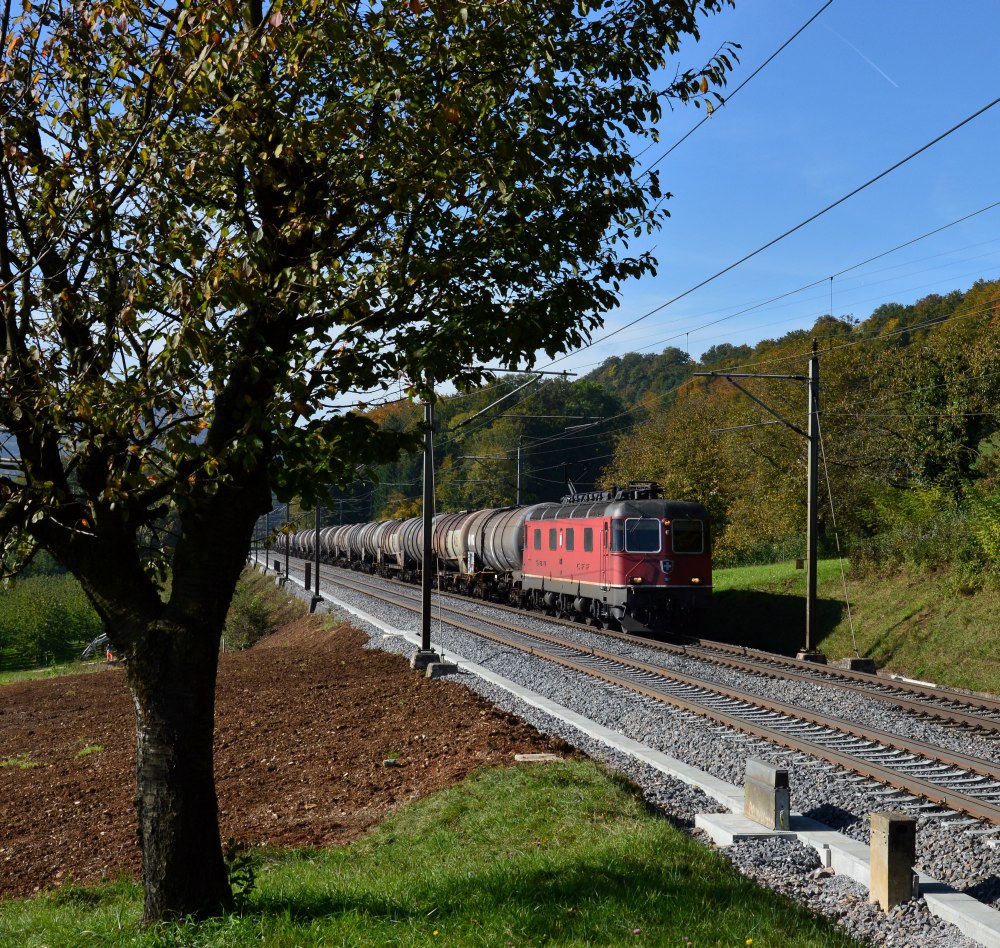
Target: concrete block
[[440, 669], [893, 852], [856, 664], [728, 828], [422, 659], [818, 657], [766, 795]]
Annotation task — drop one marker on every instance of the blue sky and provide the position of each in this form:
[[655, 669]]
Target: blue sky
[[867, 83]]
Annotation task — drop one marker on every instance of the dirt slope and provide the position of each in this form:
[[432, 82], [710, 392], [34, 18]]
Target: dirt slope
[[305, 721]]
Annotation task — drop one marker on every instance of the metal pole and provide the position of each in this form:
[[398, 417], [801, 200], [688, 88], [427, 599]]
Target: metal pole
[[812, 525], [288, 536], [425, 656], [263, 539], [317, 598], [519, 440]]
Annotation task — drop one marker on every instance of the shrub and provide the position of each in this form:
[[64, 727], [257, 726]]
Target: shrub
[[258, 609], [248, 620]]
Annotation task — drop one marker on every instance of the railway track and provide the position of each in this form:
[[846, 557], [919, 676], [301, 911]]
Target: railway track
[[954, 781], [975, 712]]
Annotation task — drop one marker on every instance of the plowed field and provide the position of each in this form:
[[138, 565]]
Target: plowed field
[[305, 723]]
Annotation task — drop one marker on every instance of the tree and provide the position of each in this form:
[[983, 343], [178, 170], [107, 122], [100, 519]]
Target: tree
[[218, 221]]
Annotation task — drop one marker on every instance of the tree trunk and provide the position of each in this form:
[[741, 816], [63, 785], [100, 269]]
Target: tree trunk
[[172, 678]]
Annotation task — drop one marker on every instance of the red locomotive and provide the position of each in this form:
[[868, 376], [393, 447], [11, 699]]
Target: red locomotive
[[625, 558]]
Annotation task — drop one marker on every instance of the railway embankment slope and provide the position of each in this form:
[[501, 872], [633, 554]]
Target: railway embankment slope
[[922, 625]]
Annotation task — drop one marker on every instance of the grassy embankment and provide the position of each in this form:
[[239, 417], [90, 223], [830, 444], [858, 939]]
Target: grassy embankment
[[912, 624], [541, 854]]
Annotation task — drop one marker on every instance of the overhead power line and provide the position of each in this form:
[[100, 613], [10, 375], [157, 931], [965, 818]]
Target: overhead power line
[[787, 233], [729, 97]]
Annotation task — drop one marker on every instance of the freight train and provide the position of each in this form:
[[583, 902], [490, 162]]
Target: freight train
[[625, 558]]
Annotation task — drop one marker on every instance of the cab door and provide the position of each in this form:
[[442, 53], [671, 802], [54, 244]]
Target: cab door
[[605, 558]]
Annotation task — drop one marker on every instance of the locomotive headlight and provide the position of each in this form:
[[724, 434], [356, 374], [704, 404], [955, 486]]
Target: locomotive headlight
[[695, 580], [635, 580]]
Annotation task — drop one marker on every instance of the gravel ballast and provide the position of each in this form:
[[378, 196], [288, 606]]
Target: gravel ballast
[[949, 847]]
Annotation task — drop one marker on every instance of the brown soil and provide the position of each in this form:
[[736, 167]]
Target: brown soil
[[306, 721]]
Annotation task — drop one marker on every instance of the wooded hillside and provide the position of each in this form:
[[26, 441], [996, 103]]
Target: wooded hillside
[[909, 400], [909, 435]]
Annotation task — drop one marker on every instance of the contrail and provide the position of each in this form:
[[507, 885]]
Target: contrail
[[862, 55]]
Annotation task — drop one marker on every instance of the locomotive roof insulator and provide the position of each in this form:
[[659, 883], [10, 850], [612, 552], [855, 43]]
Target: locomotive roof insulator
[[637, 490]]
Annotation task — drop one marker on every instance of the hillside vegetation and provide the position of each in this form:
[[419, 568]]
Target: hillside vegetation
[[910, 440]]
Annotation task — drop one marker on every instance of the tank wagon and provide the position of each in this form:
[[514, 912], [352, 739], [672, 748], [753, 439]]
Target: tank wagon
[[625, 558]]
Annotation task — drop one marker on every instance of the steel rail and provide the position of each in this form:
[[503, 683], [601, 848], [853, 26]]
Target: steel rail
[[937, 794], [771, 665], [870, 686], [935, 692]]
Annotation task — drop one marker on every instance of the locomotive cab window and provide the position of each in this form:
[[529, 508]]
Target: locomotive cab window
[[617, 536], [552, 538], [642, 535], [538, 539], [569, 539], [588, 539], [689, 536]]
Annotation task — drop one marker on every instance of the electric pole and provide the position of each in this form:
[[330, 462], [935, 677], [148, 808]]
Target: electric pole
[[812, 519], [426, 655], [317, 598], [811, 434]]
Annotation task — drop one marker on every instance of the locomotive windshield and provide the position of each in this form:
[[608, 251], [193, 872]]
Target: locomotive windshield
[[642, 535], [689, 536]]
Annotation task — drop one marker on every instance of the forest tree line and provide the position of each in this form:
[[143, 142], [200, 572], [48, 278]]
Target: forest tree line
[[908, 419]]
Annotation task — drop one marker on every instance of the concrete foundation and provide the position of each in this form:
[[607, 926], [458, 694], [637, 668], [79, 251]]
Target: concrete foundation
[[856, 664], [423, 658], [818, 657]]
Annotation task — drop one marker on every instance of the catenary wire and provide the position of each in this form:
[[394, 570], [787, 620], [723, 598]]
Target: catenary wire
[[829, 207]]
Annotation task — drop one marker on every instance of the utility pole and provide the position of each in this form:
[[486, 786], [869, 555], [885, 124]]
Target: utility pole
[[317, 598], [288, 537], [520, 441], [426, 655], [811, 434], [812, 520]]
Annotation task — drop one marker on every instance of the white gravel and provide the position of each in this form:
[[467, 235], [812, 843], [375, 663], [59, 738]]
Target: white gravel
[[945, 847]]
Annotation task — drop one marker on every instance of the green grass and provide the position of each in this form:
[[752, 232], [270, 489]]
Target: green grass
[[543, 854], [52, 671], [21, 762], [918, 625]]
